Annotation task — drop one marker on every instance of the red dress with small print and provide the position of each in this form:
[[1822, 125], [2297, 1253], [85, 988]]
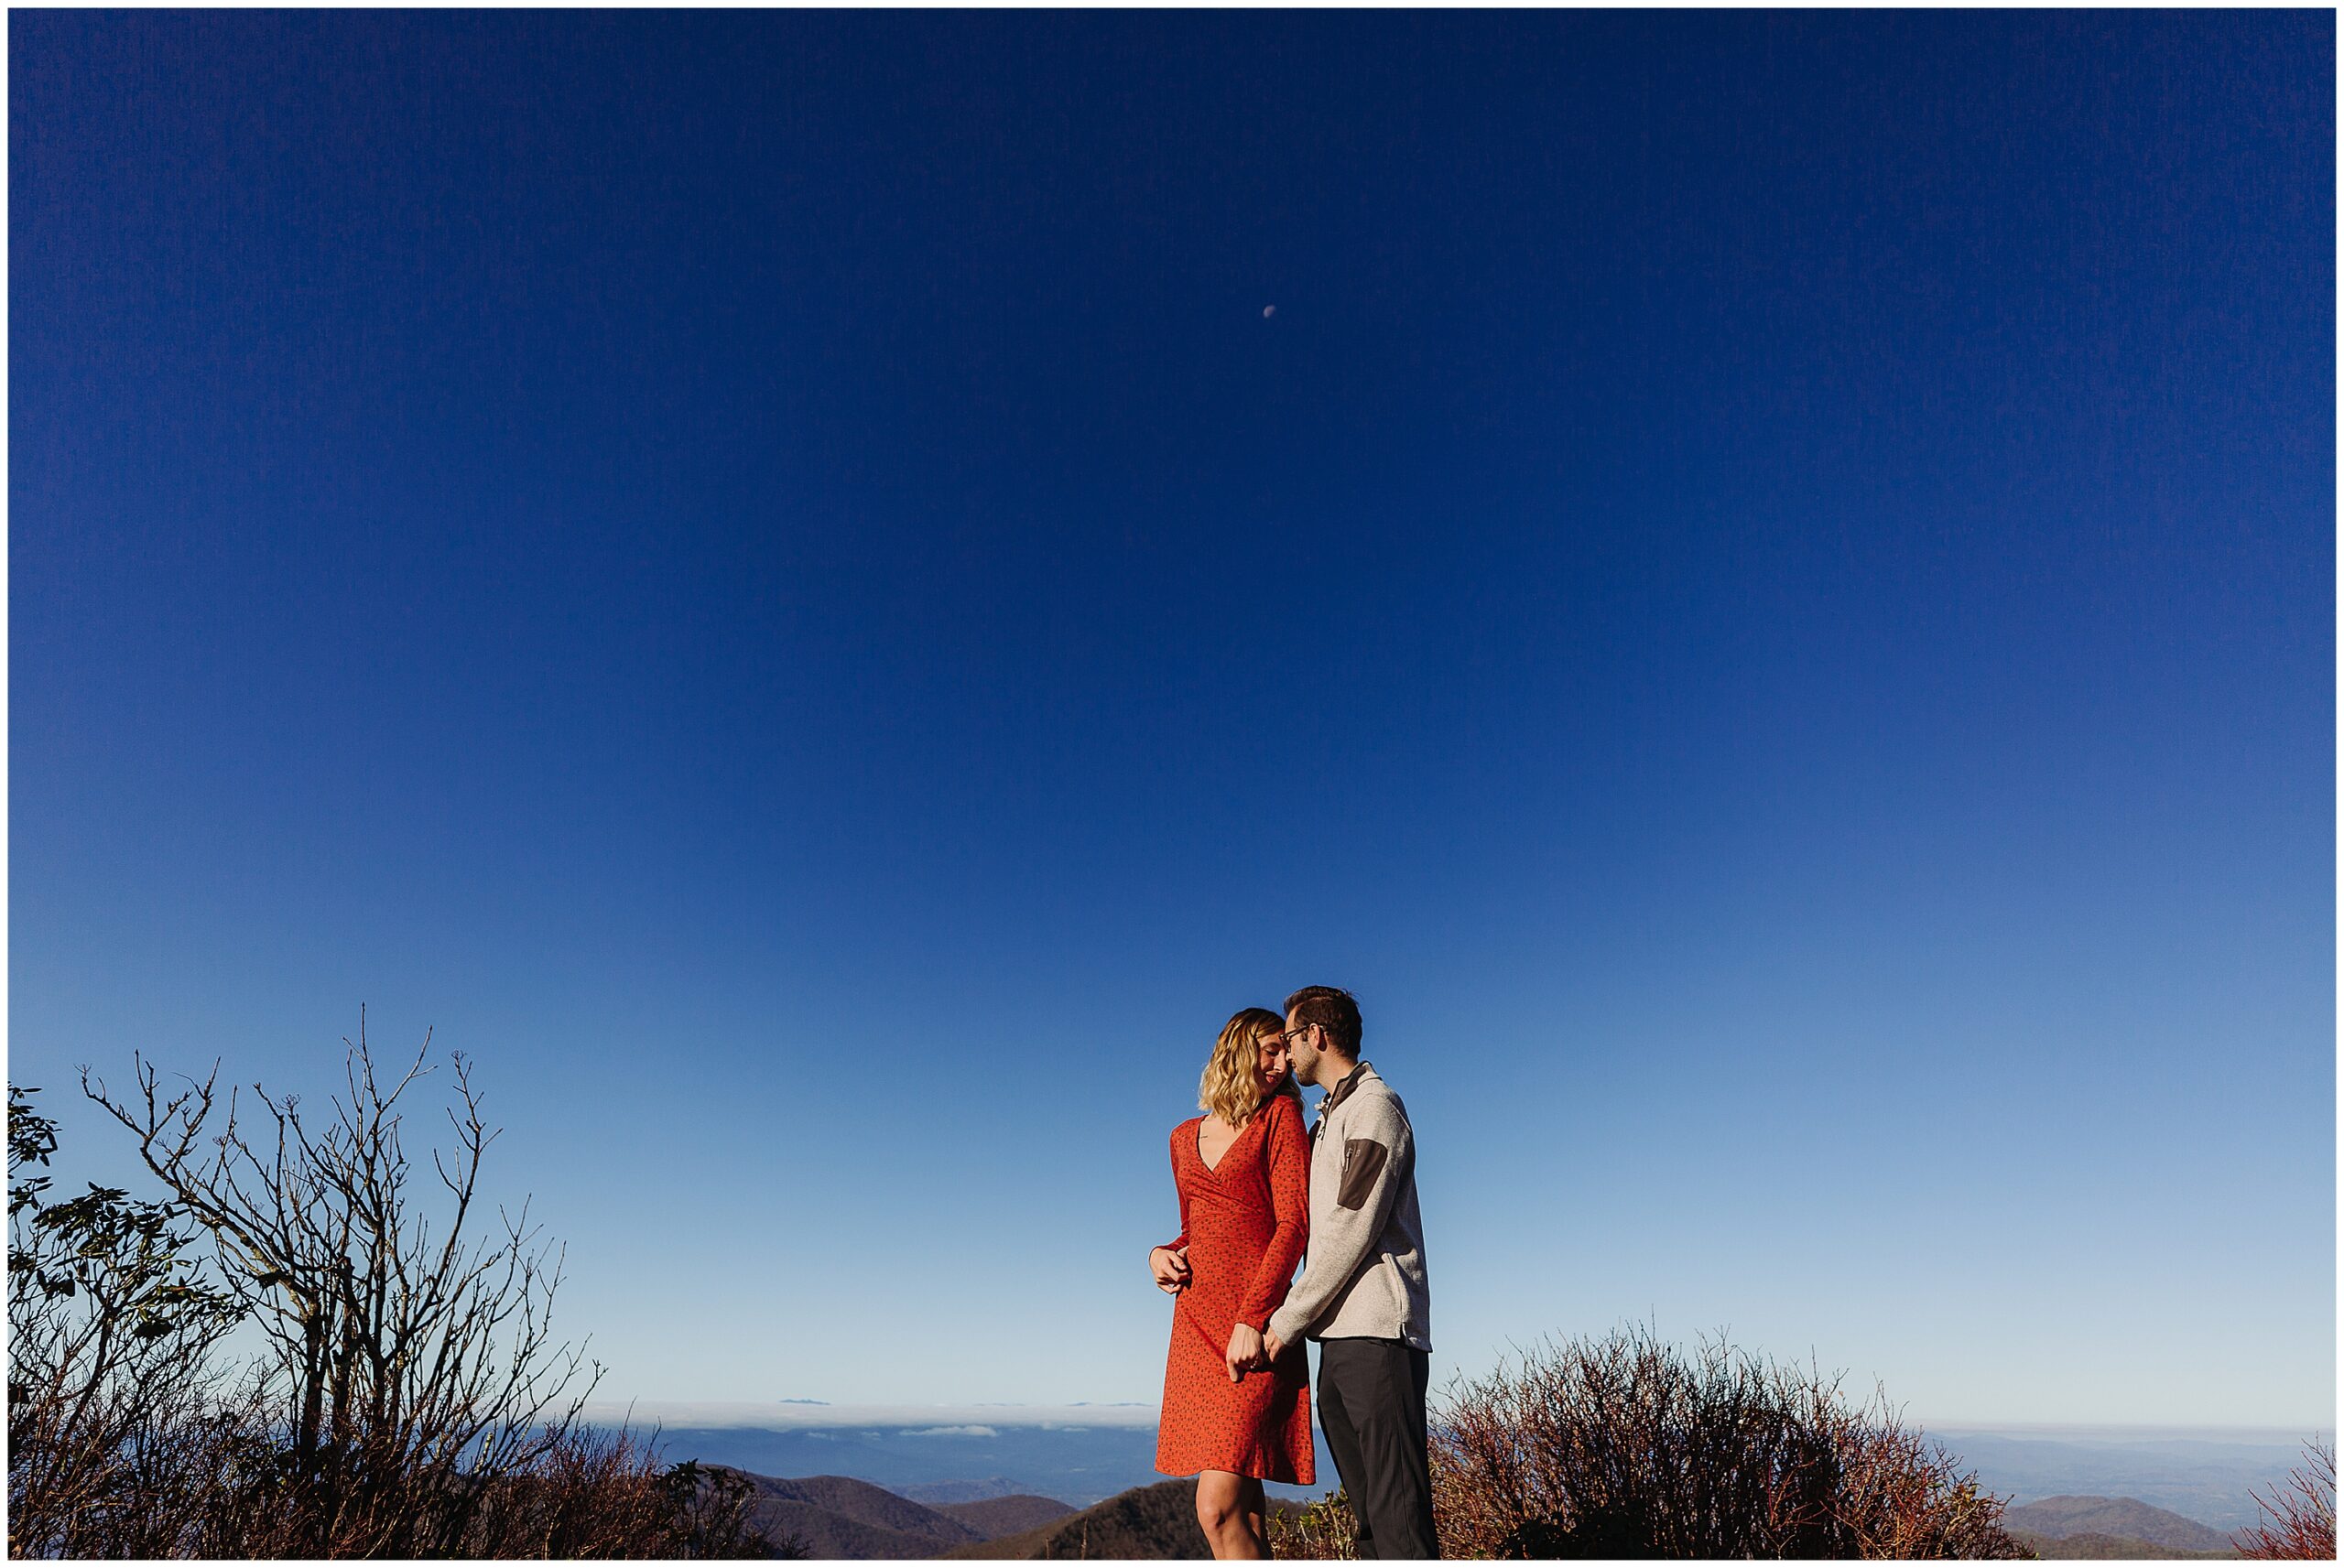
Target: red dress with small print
[[1244, 1223]]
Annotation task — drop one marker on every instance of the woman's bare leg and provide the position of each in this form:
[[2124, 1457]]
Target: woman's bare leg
[[1221, 1513]]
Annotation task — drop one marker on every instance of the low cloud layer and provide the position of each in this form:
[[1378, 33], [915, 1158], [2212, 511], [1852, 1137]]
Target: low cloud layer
[[918, 1421]]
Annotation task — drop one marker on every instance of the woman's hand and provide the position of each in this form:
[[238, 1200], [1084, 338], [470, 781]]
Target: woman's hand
[[1244, 1353], [1171, 1269]]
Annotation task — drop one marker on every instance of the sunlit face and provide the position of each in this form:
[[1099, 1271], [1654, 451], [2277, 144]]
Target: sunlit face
[[1302, 1049], [1270, 1061]]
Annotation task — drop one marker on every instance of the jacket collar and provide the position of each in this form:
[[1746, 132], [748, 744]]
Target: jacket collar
[[1336, 1095]]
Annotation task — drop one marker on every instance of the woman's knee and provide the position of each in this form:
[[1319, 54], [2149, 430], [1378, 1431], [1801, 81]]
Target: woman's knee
[[1221, 1501]]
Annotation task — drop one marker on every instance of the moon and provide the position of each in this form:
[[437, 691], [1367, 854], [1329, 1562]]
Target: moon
[[1268, 311]]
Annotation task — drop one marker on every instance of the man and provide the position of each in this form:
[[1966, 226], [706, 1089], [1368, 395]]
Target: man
[[1363, 1294]]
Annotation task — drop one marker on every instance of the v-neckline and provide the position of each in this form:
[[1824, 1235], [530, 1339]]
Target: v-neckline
[[1212, 1169]]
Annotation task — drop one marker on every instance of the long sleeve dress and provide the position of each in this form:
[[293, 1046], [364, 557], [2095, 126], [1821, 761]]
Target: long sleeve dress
[[1244, 1223]]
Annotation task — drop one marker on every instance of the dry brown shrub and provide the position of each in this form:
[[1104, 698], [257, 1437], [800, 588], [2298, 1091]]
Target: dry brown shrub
[[2299, 1519], [1621, 1446]]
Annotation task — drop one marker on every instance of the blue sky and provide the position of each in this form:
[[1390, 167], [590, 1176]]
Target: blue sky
[[1766, 598]]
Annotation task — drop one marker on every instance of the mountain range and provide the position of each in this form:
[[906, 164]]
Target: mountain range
[[2209, 1479], [2078, 1493], [2056, 1517], [839, 1517], [2110, 1527], [836, 1517], [1085, 1456], [1154, 1523]]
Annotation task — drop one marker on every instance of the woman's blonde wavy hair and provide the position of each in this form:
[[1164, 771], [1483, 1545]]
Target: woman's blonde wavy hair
[[1227, 1089]]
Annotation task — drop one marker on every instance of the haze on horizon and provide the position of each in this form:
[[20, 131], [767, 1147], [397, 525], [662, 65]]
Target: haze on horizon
[[803, 1416], [1765, 597]]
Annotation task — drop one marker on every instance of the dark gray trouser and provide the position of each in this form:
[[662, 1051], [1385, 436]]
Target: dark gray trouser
[[1372, 1407]]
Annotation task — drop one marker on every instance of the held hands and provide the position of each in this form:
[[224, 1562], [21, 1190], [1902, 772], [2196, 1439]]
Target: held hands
[[1171, 1269], [1248, 1350], [1245, 1352]]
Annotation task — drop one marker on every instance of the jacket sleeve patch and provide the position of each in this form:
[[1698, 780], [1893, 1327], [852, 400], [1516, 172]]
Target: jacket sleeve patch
[[1362, 1163]]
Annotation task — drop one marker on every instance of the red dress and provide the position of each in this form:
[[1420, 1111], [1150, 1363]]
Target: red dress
[[1244, 1223]]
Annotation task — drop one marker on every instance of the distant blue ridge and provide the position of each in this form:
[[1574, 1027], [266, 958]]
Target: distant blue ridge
[[2205, 1479]]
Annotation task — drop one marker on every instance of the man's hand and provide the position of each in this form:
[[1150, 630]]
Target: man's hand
[[1272, 1346], [1171, 1269], [1244, 1351]]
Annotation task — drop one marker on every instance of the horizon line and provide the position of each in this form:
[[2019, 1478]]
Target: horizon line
[[814, 1415]]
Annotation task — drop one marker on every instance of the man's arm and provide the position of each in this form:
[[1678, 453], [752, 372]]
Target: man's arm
[[1377, 1151], [1289, 1148], [1289, 1161]]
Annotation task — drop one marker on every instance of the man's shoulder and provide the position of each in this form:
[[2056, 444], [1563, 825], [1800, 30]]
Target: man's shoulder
[[1375, 1098]]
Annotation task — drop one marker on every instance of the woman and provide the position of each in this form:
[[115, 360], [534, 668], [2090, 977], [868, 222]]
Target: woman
[[1242, 1170]]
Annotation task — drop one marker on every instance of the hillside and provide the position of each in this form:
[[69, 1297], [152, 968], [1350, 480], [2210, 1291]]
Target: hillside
[[1147, 1523], [834, 1516], [935, 1493], [2124, 1518], [2092, 1546], [839, 1517], [993, 1518]]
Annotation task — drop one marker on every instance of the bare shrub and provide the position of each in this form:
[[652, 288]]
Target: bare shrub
[[407, 1399], [405, 1353], [2299, 1518], [1623, 1447]]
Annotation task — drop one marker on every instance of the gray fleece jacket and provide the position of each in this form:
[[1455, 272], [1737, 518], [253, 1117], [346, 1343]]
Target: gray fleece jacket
[[1364, 1274]]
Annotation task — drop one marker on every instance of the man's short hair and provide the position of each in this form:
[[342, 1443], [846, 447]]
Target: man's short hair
[[1335, 1010]]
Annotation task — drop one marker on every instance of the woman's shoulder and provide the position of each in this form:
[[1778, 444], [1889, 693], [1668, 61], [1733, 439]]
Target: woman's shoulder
[[1282, 1108]]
